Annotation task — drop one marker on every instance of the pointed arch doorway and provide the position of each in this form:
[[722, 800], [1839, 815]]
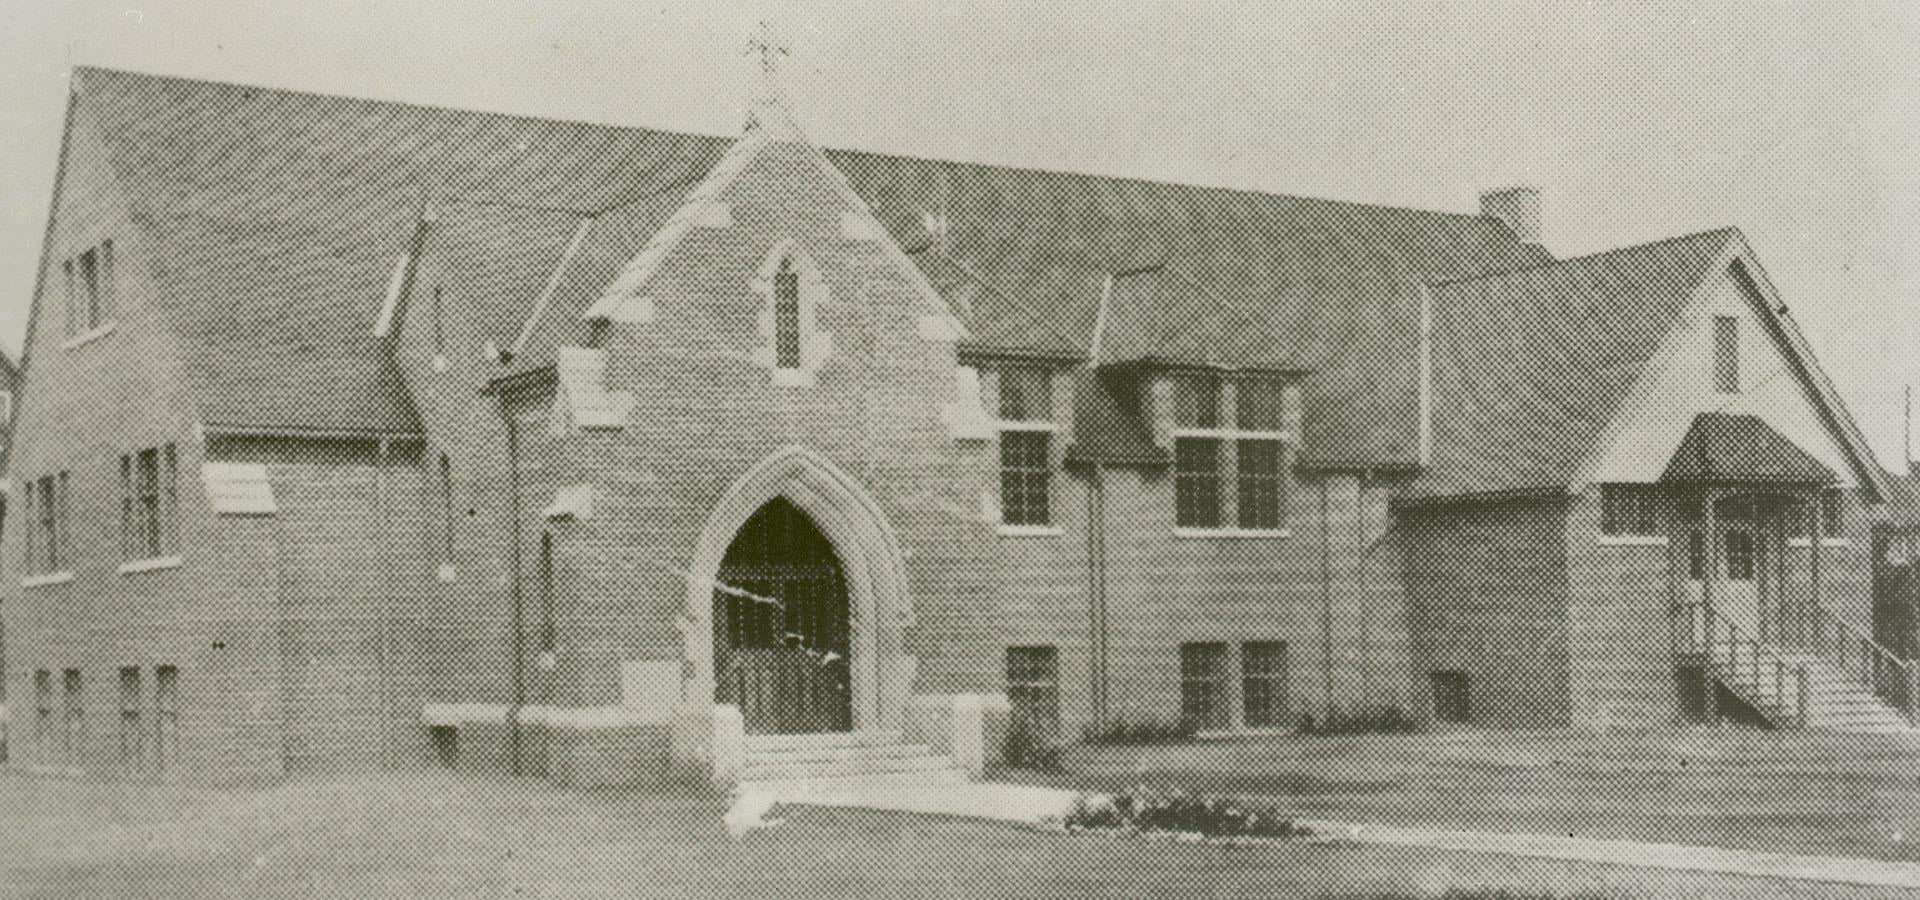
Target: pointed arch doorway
[[843, 523], [782, 626]]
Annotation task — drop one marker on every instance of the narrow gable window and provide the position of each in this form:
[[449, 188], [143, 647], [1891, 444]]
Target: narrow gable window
[[786, 315], [1026, 445], [47, 524], [1726, 354], [89, 289]]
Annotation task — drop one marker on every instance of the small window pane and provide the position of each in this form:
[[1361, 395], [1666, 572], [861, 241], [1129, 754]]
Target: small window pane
[[1196, 401], [1629, 510], [1203, 685], [1263, 677], [1026, 394], [1260, 483], [1033, 688], [1025, 476], [1197, 482], [1257, 404]]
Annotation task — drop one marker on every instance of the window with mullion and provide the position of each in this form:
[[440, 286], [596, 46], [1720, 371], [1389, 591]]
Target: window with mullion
[[1203, 685], [1033, 688], [1263, 679], [1196, 400], [1196, 482], [1261, 484], [1025, 476]]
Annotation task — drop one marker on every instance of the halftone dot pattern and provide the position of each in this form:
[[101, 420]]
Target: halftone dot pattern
[[471, 645]]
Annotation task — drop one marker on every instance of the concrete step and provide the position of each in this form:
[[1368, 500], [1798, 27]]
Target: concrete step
[[780, 743], [848, 768], [836, 754], [799, 788]]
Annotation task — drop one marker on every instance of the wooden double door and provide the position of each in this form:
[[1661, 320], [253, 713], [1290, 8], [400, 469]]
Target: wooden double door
[[781, 626]]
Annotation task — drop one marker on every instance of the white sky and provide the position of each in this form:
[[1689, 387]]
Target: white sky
[[1795, 122]]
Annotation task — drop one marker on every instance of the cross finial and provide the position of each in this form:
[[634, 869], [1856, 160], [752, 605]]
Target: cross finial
[[768, 112]]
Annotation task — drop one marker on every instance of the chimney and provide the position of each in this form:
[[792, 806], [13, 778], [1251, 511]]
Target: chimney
[[1516, 207]]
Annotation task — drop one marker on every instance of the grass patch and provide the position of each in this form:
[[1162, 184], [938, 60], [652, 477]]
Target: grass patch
[[1174, 812], [1371, 720]]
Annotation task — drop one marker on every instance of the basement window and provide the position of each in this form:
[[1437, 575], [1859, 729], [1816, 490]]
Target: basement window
[[1033, 689]]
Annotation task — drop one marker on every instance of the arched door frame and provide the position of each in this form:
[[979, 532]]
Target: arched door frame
[[869, 552]]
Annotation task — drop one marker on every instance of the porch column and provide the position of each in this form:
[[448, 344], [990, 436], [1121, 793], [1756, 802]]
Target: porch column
[[1816, 529], [1709, 578]]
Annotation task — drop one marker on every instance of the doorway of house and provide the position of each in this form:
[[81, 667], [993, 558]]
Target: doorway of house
[[781, 626]]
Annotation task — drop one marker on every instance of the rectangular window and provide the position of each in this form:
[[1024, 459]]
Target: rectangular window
[[132, 737], [1629, 510], [1196, 482], [1450, 697], [73, 299], [1026, 394], [1033, 688], [1026, 445], [1196, 401], [90, 284], [1203, 686], [1261, 483], [166, 715], [1726, 354], [105, 304], [1025, 476], [1696, 557], [73, 727], [46, 524], [1830, 524], [1263, 683], [149, 501], [43, 707], [1257, 404]]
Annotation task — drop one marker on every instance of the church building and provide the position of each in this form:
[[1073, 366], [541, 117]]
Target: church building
[[364, 434]]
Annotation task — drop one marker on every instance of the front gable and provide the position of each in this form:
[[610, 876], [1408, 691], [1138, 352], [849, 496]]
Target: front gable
[[1678, 385]]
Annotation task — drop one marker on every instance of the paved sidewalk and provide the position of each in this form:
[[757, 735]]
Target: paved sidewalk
[[1036, 806]]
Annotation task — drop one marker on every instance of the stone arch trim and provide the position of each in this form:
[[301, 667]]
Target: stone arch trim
[[853, 522]]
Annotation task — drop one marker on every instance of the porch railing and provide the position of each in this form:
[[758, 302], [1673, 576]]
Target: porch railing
[[1749, 668], [1864, 660]]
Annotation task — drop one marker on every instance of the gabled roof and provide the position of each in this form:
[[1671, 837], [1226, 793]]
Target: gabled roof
[[1723, 447], [1530, 365], [275, 218], [279, 215]]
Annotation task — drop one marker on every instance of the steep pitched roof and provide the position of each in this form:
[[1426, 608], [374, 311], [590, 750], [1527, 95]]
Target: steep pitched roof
[[1722, 447], [1530, 365], [281, 214], [276, 217]]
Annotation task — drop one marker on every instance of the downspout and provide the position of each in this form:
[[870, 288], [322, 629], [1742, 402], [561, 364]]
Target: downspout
[[1097, 593], [1326, 598], [383, 650], [514, 587]]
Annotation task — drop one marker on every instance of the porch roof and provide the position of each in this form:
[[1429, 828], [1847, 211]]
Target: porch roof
[[1723, 447]]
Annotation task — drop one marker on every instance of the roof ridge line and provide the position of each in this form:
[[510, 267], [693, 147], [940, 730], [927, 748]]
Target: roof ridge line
[[1491, 276]]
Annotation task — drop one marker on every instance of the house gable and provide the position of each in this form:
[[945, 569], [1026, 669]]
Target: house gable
[[1678, 385]]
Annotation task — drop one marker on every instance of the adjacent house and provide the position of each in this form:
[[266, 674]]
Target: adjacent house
[[360, 432]]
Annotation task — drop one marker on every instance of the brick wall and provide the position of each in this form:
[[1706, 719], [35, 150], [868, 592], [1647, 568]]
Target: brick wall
[[1487, 588]]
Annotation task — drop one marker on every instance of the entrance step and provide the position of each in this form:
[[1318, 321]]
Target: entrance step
[[776, 769], [782, 743], [834, 758], [802, 788]]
